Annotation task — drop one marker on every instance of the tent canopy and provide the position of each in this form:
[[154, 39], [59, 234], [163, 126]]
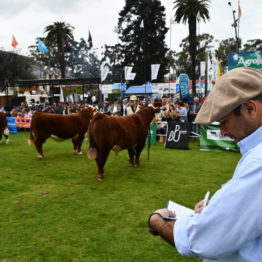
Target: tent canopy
[[139, 90]]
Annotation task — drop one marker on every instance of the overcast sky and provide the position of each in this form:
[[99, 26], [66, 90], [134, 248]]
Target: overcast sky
[[26, 20]]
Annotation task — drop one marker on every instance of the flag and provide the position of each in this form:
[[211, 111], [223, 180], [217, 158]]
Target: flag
[[90, 40], [239, 11], [14, 42], [154, 71], [104, 73], [41, 47], [128, 70], [142, 24], [66, 45]]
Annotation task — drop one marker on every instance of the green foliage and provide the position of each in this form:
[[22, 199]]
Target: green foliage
[[252, 45], [57, 34], [182, 59], [113, 58], [143, 46], [55, 209], [225, 47], [15, 67]]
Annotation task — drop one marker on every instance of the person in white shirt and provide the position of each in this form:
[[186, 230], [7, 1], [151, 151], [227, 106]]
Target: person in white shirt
[[134, 106], [229, 228]]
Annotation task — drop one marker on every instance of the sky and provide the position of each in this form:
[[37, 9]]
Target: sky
[[26, 20]]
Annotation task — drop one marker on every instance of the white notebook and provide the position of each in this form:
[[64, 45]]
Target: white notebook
[[179, 210]]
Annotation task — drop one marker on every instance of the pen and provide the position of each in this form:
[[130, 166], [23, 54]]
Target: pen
[[206, 199]]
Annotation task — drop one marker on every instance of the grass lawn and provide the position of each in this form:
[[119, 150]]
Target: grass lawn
[[55, 209]]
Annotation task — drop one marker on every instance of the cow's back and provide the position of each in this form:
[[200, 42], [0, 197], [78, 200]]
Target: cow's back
[[123, 131], [63, 126]]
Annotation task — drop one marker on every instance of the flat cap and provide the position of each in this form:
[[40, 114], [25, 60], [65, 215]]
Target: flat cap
[[230, 91]]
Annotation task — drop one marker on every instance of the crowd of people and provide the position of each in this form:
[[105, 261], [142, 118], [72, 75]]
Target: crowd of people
[[170, 110]]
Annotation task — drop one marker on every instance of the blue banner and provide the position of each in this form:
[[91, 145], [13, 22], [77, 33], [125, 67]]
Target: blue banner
[[184, 86]]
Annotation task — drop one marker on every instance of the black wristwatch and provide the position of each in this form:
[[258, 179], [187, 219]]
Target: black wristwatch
[[150, 229]]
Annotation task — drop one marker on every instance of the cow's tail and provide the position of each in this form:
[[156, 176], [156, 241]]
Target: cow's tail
[[31, 140], [92, 151]]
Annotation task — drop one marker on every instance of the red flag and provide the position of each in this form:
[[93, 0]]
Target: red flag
[[14, 42], [90, 40], [90, 37], [239, 11]]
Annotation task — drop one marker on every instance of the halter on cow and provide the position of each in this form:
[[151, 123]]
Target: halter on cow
[[3, 128], [118, 133], [60, 127]]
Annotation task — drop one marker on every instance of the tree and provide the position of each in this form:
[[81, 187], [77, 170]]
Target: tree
[[252, 45], [182, 59], [188, 11], [225, 47], [57, 34], [15, 67], [113, 59], [142, 29]]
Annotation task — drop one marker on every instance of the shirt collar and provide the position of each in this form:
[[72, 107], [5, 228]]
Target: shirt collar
[[250, 141]]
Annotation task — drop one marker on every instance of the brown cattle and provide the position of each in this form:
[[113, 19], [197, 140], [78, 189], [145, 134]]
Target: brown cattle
[[3, 128], [59, 127], [117, 133]]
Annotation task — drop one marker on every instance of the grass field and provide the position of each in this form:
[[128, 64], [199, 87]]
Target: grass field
[[55, 209]]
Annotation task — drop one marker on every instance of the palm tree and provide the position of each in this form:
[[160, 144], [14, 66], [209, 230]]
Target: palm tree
[[57, 34], [190, 11]]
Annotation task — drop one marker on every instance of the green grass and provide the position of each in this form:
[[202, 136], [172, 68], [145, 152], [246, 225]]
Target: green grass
[[55, 209]]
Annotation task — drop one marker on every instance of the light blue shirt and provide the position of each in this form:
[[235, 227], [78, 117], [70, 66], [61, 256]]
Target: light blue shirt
[[229, 229]]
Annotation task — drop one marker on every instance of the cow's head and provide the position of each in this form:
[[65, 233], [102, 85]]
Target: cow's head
[[150, 108], [88, 111]]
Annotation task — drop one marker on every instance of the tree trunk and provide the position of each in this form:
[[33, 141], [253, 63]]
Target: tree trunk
[[192, 50]]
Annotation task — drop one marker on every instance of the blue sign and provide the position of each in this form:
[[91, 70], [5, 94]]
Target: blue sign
[[184, 85]]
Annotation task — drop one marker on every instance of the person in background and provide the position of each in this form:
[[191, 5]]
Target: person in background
[[228, 228], [182, 112], [193, 111], [134, 107], [115, 108], [125, 106], [105, 108]]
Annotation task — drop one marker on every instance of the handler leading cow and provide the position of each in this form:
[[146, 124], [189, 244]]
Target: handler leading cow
[[3, 128], [60, 127], [117, 133]]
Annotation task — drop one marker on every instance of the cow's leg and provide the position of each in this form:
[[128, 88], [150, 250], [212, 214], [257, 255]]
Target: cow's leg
[[100, 161], [138, 150], [80, 140], [131, 153], [0, 137], [75, 144], [6, 139], [38, 145]]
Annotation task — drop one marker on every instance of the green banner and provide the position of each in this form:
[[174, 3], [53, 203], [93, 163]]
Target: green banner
[[251, 59], [152, 136], [211, 139]]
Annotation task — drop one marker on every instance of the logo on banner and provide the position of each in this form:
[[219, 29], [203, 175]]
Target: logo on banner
[[176, 134]]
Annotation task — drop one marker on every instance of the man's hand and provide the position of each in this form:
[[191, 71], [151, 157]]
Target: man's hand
[[199, 206]]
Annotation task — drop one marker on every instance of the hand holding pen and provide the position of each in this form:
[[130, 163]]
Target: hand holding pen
[[202, 204]]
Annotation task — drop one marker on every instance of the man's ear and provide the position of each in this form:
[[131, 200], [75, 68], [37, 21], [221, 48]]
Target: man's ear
[[250, 107]]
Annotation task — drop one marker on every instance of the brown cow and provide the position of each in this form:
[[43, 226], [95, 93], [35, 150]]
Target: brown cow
[[117, 133], [60, 127], [3, 128]]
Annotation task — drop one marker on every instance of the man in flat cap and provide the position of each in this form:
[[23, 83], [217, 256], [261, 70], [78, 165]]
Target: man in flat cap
[[133, 107], [229, 228]]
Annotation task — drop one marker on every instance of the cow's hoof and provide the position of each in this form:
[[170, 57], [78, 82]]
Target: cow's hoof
[[41, 156], [0, 142], [79, 153], [137, 165], [7, 141], [100, 179]]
